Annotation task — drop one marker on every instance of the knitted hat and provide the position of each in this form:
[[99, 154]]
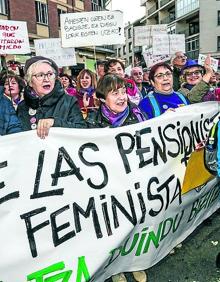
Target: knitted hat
[[35, 59]]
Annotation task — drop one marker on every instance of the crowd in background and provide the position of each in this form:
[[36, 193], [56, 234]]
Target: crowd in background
[[45, 98]]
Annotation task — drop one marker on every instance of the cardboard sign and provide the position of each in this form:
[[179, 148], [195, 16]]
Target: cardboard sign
[[143, 35], [14, 37], [168, 44], [92, 28], [51, 48], [214, 62], [151, 59]]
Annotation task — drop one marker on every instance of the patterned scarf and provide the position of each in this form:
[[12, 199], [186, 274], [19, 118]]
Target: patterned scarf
[[90, 90], [115, 119]]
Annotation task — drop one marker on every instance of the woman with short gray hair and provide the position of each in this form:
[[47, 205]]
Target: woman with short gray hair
[[45, 102]]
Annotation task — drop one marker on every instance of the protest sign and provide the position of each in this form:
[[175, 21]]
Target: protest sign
[[92, 28], [214, 62], [14, 37], [51, 48], [168, 44], [151, 59], [84, 204], [143, 35]]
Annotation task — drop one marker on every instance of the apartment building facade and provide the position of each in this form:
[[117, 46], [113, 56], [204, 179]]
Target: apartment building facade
[[43, 21], [199, 20]]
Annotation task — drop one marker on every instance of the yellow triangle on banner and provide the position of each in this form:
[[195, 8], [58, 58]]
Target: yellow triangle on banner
[[196, 174]]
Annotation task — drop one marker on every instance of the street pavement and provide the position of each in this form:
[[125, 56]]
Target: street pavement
[[195, 261]]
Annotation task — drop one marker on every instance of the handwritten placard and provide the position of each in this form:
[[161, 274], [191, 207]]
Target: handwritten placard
[[143, 35], [51, 48], [92, 28], [14, 37], [151, 59], [168, 44], [214, 62]]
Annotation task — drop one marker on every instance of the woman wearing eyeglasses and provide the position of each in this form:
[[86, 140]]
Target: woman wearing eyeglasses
[[45, 102], [196, 78], [163, 97]]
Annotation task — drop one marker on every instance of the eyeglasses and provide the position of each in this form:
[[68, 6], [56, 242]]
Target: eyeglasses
[[162, 75], [181, 57], [41, 76], [137, 73], [197, 72]]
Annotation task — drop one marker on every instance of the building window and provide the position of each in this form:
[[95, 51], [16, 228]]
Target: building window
[[130, 47], [119, 52], [98, 5], [41, 12], [124, 50], [184, 7], [129, 33], [3, 7], [59, 12], [218, 43], [218, 17]]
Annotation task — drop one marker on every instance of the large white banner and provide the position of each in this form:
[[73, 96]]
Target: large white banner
[[51, 48], [143, 35], [84, 204], [14, 37], [92, 28]]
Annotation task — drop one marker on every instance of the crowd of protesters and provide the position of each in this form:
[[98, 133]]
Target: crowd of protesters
[[45, 98]]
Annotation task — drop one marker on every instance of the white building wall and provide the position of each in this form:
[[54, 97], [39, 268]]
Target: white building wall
[[209, 29]]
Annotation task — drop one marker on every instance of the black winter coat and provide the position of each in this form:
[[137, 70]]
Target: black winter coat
[[95, 118], [58, 105]]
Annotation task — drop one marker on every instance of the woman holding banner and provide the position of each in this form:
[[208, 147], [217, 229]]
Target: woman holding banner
[[45, 102], [115, 110], [163, 98]]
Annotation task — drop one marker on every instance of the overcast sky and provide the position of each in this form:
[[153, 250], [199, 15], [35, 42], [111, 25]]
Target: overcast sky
[[132, 9]]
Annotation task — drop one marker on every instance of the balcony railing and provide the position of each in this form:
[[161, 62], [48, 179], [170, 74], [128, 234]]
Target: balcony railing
[[164, 2], [167, 20], [184, 31], [152, 9]]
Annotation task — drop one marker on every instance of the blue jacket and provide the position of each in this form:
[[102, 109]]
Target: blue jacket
[[155, 104], [9, 122]]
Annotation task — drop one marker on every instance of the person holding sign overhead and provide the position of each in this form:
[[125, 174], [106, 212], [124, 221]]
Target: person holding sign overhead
[[45, 102], [196, 85]]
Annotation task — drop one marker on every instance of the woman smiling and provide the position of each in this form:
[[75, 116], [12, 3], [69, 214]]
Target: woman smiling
[[163, 97], [115, 109]]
